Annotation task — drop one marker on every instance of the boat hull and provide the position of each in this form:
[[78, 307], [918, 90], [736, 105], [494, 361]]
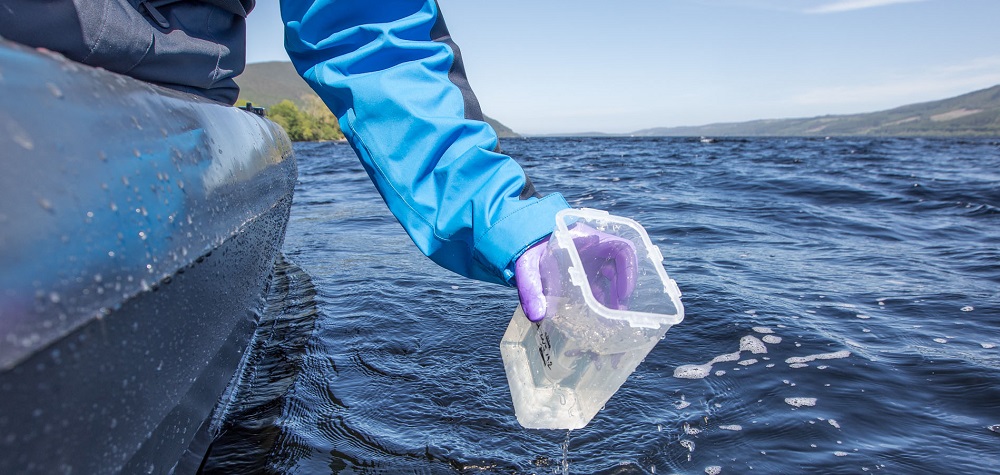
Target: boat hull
[[138, 231]]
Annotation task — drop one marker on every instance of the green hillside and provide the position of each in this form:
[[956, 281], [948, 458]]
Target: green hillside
[[973, 114], [267, 84]]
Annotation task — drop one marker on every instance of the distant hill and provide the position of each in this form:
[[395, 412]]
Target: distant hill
[[266, 84], [973, 114]]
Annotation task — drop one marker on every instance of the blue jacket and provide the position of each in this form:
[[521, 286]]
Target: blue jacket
[[395, 80]]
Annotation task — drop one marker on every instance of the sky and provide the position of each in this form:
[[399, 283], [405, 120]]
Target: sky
[[572, 66]]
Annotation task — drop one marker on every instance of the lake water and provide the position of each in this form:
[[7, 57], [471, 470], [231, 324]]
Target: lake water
[[868, 269]]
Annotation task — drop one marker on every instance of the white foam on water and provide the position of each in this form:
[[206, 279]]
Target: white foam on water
[[682, 403], [752, 344], [691, 430], [692, 371], [834, 423], [987, 345], [687, 444], [771, 339], [725, 357], [863, 317], [798, 365], [821, 356], [733, 427], [720, 372], [941, 340], [800, 401], [840, 453], [713, 470], [764, 330], [770, 365], [699, 371], [968, 308]]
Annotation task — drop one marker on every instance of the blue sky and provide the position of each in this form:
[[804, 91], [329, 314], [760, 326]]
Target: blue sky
[[561, 66]]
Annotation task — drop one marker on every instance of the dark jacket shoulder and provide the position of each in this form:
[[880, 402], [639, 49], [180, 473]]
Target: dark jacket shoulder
[[237, 7]]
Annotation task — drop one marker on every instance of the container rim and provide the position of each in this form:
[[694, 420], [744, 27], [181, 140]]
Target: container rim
[[564, 219]]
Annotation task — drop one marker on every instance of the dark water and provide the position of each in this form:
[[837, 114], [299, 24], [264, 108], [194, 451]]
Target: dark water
[[868, 268]]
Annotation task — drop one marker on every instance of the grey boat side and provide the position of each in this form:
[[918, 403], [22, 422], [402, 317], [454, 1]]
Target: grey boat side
[[138, 232]]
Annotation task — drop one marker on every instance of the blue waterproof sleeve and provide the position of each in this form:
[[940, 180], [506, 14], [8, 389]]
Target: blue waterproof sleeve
[[390, 73]]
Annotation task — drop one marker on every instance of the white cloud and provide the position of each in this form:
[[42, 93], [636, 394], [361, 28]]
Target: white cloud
[[849, 5]]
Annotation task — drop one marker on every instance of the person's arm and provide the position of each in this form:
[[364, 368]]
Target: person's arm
[[392, 76]]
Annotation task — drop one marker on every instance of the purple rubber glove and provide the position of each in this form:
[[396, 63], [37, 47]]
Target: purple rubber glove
[[610, 263]]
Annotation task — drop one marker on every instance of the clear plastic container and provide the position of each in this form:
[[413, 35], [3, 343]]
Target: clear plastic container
[[563, 369]]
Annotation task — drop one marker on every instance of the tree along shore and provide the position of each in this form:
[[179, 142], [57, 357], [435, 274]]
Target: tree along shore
[[313, 123]]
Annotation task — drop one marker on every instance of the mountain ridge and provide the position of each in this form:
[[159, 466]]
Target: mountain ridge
[[976, 113]]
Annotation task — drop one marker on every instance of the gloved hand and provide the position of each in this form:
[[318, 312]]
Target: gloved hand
[[610, 263]]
